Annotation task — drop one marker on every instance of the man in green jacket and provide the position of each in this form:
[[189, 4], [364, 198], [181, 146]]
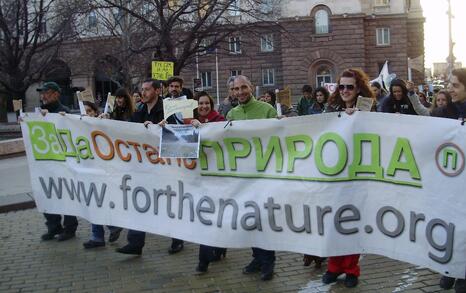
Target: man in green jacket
[[250, 108]]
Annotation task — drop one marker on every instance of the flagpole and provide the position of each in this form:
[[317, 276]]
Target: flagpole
[[410, 74]]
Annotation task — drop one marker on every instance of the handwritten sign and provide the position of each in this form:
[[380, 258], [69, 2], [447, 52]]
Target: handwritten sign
[[162, 70], [284, 97], [364, 104], [172, 106], [86, 96]]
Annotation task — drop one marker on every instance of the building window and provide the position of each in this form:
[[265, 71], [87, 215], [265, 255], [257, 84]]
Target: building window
[[323, 75], [235, 45], [235, 72], [268, 76], [382, 2], [267, 43], [235, 8], [383, 36], [92, 19], [322, 21], [206, 78]]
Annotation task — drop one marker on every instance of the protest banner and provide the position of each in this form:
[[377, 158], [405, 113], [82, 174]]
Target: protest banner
[[162, 70], [179, 105], [324, 185]]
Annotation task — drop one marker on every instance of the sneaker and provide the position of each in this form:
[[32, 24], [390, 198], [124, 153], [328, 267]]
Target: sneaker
[[267, 272], [129, 249], [351, 281], [329, 277], [93, 244], [66, 236], [253, 267], [114, 235], [446, 282]]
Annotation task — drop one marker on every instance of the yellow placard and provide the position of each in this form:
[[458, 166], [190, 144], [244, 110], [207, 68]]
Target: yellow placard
[[162, 70], [17, 105], [284, 97], [172, 106]]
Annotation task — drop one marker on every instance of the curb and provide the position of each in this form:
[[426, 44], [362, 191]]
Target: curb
[[16, 202]]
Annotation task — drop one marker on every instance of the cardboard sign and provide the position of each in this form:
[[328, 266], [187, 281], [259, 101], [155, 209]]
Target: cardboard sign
[[162, 70], [183, 106], [364, 104], [17, 105], [284, 97], [86, 96], [110, 104]]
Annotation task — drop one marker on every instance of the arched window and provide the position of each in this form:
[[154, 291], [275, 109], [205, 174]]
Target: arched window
[[322, 21], [323, 75]]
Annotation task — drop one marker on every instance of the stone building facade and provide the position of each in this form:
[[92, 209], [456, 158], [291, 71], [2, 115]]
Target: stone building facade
[[312, 41]]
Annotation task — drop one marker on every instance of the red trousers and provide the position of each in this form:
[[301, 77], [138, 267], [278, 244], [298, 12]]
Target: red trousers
[[348, 264]]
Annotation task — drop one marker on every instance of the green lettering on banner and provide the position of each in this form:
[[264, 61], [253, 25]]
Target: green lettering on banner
[[293, 153], [83, 144], [273, 147], [403, 147], [356, 167], [44, 141], [218, 155], [69, 149], [342, 154], [233, 152]]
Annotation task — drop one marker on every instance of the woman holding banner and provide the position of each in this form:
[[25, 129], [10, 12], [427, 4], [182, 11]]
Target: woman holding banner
[[124, 106], [351, 84], [205, 114]]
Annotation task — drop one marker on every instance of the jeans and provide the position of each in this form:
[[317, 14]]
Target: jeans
[[98, 233], [265, 257]]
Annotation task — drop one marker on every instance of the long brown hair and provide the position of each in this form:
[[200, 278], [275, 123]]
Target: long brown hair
[[362, 83], [128, 110]]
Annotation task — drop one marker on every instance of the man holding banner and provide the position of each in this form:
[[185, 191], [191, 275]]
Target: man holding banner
[[150, 112], [249, 108], [50, 97]]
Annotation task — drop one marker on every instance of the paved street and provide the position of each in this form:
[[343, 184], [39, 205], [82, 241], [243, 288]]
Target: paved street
[[30, 265]]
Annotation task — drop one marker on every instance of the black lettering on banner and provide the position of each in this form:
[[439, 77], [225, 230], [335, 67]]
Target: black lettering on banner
[[399, 217], [339, 218]]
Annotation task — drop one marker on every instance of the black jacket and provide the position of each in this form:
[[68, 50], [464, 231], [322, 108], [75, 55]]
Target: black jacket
[[155, 115], [55, 107]]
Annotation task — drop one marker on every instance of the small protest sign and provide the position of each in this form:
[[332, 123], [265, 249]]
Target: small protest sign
[[110, 104], [179, 105], [17, 105], [364, 104], [179, 141], [86, 96], [284, 97], [162, 70]]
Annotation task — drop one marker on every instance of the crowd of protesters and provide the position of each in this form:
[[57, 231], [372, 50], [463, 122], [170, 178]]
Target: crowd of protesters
[[147, 107]]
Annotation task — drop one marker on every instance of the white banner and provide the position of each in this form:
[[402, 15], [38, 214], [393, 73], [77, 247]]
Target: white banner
[[321, 184]]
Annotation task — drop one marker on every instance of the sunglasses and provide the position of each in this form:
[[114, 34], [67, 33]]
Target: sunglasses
[[349, 87]]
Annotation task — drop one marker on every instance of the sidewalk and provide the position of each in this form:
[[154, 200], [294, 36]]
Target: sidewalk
[[15, 184]]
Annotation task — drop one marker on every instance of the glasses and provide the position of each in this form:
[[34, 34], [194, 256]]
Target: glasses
[[349, 87]]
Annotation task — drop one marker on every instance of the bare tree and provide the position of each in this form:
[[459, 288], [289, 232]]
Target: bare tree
[[31, 33], [179, 30]]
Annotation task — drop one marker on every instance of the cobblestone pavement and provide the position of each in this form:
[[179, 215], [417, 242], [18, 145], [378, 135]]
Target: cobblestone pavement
[[30, 265]]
